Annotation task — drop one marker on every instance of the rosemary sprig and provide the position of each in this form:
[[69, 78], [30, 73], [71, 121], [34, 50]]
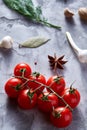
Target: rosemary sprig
[[27, 8]]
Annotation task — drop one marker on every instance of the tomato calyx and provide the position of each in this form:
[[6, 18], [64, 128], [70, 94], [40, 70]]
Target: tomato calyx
[[57, 79], [22, 70], [17, 87], [72, 90], [36, 74], [30, 94], [56, 114], [45, 98]]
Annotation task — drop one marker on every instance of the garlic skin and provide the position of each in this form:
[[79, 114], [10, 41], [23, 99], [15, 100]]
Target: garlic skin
[[83, 13], [6, 42], [68, 13], [81, 54]]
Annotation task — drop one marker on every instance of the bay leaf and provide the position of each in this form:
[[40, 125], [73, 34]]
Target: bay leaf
[[34, 42]]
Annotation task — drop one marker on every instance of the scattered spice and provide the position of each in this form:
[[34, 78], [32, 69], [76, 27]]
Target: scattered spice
[[35, 63], [68, 13], [83, 13], [56, 62]]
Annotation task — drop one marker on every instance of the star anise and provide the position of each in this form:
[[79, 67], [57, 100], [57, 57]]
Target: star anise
[[56, 62]]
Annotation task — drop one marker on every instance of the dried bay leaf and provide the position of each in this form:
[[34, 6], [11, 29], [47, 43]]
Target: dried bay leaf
[[34, 42]]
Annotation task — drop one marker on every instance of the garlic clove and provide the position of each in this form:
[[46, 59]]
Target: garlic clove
[[83, 13], [81, 54], [68, 13], [7, 42], [72, 43]]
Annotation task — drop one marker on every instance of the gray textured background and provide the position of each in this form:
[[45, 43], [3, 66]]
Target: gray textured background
[[20, 28]]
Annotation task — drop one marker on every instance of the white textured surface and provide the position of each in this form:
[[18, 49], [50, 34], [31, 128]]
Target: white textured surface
[[20, 28]]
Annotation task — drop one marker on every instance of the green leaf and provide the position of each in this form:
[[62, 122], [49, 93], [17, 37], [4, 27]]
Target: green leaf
[[21, 6], [27, 8], [38, 10], [49, 24], [34, 42]]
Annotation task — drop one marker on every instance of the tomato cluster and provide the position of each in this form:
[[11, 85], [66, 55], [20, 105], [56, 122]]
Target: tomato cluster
[[51, 96]]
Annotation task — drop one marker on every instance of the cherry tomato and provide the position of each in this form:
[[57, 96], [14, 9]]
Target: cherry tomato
[[61, 117], [47, 101], [71, 96], [13, 87], [56, 83], [39, 78], [22, 69], [27, 99]]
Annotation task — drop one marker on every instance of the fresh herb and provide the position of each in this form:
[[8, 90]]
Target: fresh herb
[[27, 8], [34, 42]]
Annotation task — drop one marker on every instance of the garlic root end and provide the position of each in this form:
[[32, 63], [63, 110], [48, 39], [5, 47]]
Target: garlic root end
[[72, 43]]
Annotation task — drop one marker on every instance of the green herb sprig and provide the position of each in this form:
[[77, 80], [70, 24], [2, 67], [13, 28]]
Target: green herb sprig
[[27, 8]]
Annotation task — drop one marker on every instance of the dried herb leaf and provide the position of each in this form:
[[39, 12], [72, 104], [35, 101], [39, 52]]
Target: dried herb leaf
[[34, 42]]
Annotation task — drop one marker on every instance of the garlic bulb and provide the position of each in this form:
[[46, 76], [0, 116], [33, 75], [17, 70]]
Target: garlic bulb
[[81, 54], [6, 42]]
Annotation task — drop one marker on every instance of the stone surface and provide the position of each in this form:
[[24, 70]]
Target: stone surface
[[20, 28]]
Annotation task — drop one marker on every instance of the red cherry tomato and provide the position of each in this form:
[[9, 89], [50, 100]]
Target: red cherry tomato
[[39, 78], [22, 69], [12, 87], [71, 96], [56, 83], [61, 117], [27, 99], [47, 101]]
